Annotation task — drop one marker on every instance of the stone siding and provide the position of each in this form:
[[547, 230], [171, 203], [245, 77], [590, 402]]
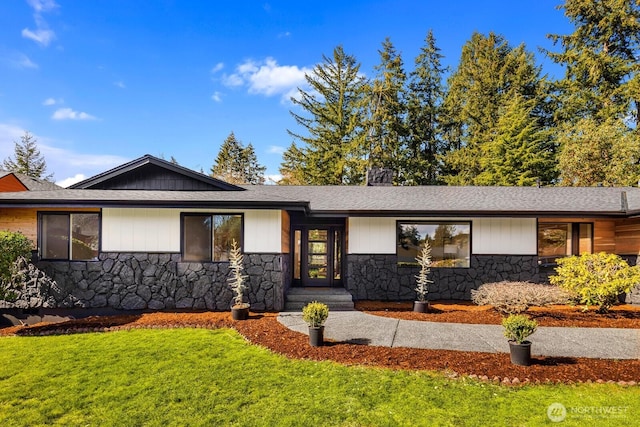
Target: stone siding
[[141, 281], [379, 277]]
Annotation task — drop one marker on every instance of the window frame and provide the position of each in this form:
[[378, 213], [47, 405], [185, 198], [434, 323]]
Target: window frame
[[574, 246], [469, 223], [69, 215], [211, 259]]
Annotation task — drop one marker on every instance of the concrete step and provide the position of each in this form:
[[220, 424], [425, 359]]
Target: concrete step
[[338, 299]]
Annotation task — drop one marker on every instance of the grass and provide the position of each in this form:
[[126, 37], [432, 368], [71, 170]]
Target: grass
[[178, 377]]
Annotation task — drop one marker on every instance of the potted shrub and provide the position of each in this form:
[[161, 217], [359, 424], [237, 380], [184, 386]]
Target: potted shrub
[[315, 314], [517, 327], [240, 308], [422, 282]]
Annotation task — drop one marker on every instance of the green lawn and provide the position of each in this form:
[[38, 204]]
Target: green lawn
[[204, 377]]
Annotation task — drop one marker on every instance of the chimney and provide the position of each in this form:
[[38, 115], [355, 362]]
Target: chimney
[[379, 177]]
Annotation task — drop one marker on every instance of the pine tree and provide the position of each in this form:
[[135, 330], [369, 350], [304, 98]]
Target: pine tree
[[601, 61], [421, 164], [491, 74], [331, 152], [237, 164], [387, 111], [28, 159]]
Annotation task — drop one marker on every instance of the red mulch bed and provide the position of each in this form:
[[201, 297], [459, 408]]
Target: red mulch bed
[[264, 329]]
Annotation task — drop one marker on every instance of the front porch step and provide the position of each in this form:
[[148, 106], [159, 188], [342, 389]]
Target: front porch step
[[338, 299]]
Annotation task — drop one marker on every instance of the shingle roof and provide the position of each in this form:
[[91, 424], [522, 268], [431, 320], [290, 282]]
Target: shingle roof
[[33, 184], [362, 200]]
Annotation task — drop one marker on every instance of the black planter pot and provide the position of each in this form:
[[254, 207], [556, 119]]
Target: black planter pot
[[520, 353], [421, 306], [316, 336], [240, 312]]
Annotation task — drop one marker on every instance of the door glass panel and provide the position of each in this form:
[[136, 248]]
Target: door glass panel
[[318, 235], [317, 247], [337, 254], [297, 237]]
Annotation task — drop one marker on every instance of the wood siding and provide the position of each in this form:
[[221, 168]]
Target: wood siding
[[10, 183], [285, 235], [627, 236]]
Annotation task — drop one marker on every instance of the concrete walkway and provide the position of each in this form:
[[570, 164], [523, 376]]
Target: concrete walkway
[[362, 328]]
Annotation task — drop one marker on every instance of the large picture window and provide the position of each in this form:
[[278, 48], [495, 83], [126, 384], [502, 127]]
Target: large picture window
[[208, 237], [450, 242], [560, 239], [69, 236]]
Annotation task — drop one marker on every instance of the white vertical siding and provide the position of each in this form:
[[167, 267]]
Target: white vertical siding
[[490, 236], [504, 236], [371, 235], [140, 230], [158, 230], [262, 231]]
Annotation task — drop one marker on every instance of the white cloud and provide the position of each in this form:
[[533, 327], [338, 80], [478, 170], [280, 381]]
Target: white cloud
[[19, 60], [42, 5], [268, 78], [120, 84], [217, 96], [286, 34], [69, 114], [71, 180], [219, 66], [40, 35], [49, 101], [276, 149], [272, 178]]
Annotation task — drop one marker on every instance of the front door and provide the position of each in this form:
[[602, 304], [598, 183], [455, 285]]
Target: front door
[[318, 255]]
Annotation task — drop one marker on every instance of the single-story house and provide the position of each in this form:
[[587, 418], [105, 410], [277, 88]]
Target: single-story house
[[150, 234]]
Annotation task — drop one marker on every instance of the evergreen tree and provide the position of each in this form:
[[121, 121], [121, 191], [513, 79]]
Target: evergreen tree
[[387, 111], [601, 61], [28, 159], [491, 74], [237, 164], [599, 154], [424, 104], [332, 150]]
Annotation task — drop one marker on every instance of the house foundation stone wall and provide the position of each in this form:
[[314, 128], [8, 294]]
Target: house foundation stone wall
[[379, 277], [152, 281]]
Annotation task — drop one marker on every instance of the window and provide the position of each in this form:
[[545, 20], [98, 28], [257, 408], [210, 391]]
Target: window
[[559, 239], [69, 236], [207, 237], [450, 242]]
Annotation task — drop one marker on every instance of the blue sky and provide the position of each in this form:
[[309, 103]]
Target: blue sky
[[102, 82]]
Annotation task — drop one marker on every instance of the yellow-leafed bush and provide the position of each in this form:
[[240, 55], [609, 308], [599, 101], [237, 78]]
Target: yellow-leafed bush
[[596, 279], [315, 313]]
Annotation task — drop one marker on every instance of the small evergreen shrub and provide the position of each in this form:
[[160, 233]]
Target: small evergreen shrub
[[516, 297], [236, 280], [596, 279], [422, 278], [13, 245], [315, 314], [517, 327]]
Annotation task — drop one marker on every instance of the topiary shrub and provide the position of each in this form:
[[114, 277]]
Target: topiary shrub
[[13, 245], [315, 314], [517, 297], [517, 327], [596, 279]]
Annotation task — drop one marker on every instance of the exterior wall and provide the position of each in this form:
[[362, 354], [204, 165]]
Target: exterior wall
[[379, 277], [504, 236], [604, 232], [25, 220], [141, 281], [158, 230]]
